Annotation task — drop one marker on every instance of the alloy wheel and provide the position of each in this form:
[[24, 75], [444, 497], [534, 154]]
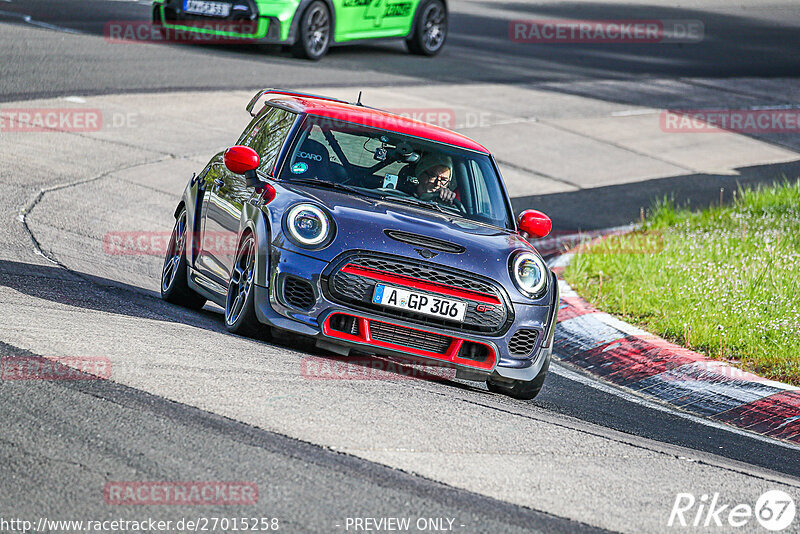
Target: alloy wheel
[[317, 30], [433, 23], [241, 283], [177, 244]]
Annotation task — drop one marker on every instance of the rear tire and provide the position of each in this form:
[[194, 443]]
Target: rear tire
[[520, 389], [240, 312], [174, 285], [430, 29], [313, 32]]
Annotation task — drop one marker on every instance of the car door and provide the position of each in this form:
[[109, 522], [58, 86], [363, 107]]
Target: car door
[[365, 19], [227, 192]]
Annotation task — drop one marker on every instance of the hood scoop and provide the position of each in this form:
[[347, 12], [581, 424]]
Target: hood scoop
[[430, 243]]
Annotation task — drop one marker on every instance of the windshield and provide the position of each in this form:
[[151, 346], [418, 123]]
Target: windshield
[[398, 168]]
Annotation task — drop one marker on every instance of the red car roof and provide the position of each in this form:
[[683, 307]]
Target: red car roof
[[376, 118]]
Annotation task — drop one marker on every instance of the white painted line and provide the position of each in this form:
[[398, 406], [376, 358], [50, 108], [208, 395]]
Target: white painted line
[[569, 374], [559, 263], [75, 99], [45, 25], [633, 112], [650, 111], [624, 327]]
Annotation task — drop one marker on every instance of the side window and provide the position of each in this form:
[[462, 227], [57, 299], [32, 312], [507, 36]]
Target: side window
[[267, 136], [481, 194], [246, 136]]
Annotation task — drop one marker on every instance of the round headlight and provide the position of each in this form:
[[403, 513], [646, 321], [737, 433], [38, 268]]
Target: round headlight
[[308, 225], [529, 273]]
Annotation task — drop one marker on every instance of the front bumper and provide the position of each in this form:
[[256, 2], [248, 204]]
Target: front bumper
[[259, 24], [272, 308]]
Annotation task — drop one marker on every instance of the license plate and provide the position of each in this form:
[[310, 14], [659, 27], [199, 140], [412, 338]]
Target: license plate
[[396, 297], [202, 7]]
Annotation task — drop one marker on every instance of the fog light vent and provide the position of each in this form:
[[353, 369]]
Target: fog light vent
[[298, 293], [523, 342]]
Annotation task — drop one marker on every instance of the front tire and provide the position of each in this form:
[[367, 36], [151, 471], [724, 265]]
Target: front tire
[[174, 285], [314, 32], [240, 313], [520, 389], [430, 29]]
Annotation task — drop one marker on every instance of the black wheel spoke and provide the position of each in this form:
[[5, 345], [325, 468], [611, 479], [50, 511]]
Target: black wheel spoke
[[241, 283], [433, 27], [317, 30], [174, 253]]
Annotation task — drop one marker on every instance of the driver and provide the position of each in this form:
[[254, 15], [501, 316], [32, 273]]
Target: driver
[[435, 172]]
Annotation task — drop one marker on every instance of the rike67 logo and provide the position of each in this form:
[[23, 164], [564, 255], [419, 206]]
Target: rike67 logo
[[774, 511]]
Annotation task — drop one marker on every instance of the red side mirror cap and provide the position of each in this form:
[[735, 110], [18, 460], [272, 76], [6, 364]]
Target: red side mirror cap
[[240, 159], [534, 223]]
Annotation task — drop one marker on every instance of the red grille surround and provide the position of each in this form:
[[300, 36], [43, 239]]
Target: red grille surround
[[407, 281], [451, 355]]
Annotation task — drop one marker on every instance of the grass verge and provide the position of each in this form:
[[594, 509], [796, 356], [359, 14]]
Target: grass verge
[[724, 281]]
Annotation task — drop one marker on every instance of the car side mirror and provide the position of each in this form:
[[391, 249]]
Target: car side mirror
[[534, 223], [243, 160]]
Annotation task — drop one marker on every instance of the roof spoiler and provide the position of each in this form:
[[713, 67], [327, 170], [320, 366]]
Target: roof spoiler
[[251, 106]]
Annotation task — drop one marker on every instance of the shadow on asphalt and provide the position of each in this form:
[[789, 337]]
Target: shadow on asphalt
[[733, 45], [617, 205], [748, 43], [94, 293]]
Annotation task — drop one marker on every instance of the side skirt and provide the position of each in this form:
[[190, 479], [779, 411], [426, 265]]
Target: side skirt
[[207, 287]]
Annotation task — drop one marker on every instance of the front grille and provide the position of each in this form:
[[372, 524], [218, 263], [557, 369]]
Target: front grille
[[423, 272], [356, 290], [523, 342], [246, 20], [407, 337], [425, 241], [298, 293]]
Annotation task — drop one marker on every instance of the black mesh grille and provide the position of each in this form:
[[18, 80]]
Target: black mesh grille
[[298, 293], [425, 241], [245, 19], [398, 335], [422, 272], [474, 351], [356, 290], [523, 342]]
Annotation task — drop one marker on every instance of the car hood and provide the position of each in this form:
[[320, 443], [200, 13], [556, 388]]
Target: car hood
[[361, 223]]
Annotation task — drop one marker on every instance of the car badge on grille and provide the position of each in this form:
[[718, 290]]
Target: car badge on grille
[[425, 253]]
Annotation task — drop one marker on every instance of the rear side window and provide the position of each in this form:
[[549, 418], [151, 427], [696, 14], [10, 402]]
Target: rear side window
[[267, 135]]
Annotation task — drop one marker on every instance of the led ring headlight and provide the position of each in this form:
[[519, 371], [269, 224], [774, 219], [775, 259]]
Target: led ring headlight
[[529, 273], [308, 225]]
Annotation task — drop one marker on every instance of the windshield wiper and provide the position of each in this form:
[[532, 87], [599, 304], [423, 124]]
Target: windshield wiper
[[421, 204], [327, 185]]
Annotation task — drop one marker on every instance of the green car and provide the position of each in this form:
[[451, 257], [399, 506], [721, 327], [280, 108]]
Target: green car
[[308, 26]]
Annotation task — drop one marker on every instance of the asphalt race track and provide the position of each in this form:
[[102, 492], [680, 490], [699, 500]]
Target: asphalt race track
[[188, 401]]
